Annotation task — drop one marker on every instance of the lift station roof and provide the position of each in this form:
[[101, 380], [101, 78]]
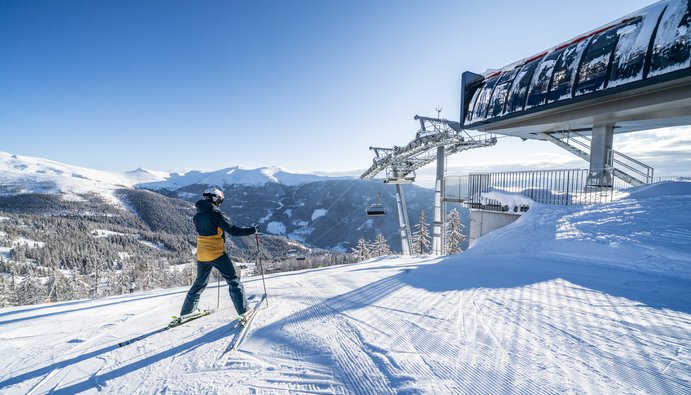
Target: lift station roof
[[634, 73]]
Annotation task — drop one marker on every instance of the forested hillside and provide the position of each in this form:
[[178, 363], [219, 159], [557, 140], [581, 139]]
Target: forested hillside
[[53, 249]]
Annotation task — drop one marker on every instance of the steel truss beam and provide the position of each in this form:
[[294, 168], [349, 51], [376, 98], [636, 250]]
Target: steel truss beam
[[400, 163]]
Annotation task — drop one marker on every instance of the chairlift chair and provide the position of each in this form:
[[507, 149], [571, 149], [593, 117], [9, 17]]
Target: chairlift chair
[[376, 209]]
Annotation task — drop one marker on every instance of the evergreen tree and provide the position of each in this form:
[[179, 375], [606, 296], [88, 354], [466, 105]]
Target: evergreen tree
[[31, 291], [421, 237], [361, 251], [8, 295], [79, 286], [380, 247], [58, 287], [189, 273], [453, 232]]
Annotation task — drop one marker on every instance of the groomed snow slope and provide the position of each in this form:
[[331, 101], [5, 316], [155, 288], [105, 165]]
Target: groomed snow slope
[[590, 299]]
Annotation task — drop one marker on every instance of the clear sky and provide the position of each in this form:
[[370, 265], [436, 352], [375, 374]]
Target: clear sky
[[307, 85]]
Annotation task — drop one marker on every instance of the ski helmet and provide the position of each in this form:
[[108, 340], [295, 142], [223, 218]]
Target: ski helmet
[[215, 194]]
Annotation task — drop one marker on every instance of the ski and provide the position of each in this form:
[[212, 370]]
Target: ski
[[240, 336], [177, 321]]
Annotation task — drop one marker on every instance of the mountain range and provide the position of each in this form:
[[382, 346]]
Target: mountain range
[[324, 212]]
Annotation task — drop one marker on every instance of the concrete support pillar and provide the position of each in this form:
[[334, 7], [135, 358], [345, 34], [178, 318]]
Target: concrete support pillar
[[438, 224], [601, 160]]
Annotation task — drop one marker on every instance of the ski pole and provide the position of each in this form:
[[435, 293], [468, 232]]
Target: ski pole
[[259, 262], [218, 287]]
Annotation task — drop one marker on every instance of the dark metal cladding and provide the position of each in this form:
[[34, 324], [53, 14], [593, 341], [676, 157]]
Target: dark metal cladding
[[650, 43]]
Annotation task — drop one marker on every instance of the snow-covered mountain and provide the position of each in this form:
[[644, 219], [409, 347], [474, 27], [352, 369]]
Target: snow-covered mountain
[[567, 299], [25, 174], [326, 212], [236, 175]]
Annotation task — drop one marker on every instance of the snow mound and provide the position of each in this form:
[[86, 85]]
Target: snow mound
[[649, 230], [659, 189]]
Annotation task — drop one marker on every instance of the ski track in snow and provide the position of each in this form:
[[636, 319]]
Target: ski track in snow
[[517, 314], [363, 329]]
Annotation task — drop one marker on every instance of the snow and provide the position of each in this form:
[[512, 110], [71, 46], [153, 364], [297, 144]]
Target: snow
[[155, 246], [100, 233], [28, 242], [276, 228], [506, 198], [368, 224], [320, 212], [569, 299]]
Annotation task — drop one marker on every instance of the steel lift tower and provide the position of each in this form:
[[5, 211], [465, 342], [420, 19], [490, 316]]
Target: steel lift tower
[[436, 139]]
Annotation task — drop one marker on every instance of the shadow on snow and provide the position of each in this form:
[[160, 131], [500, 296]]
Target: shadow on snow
[[100, 380]]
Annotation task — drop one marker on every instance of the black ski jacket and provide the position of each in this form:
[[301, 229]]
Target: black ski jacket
[[212, 226]]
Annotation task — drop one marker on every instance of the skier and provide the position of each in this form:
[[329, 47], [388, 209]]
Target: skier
[[212, 227]]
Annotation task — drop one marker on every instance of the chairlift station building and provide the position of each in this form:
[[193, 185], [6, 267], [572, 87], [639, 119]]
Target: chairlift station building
[[630, 75]]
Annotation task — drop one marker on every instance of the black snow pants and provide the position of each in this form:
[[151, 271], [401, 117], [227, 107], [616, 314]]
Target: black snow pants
[[229, 273]]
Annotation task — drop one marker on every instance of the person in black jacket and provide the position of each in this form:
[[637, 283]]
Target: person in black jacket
[[212, 227]]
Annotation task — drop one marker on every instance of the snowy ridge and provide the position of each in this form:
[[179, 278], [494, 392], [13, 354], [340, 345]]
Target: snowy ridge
[[25, 174], [236, 175], [564, 300]]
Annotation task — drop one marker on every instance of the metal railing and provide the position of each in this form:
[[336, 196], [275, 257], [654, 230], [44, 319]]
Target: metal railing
[[627, 168], [672, 178], [558, 187]]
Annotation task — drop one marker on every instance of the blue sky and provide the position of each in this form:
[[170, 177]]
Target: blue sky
[[306, 85]]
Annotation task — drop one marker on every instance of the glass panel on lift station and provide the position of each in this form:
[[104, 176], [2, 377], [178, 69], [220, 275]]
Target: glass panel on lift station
[[519, 89], [537, 94], [480, 111], [564, 73], [470, 114], [501, 93], [671, 50], [632, 47], [592, 75]]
